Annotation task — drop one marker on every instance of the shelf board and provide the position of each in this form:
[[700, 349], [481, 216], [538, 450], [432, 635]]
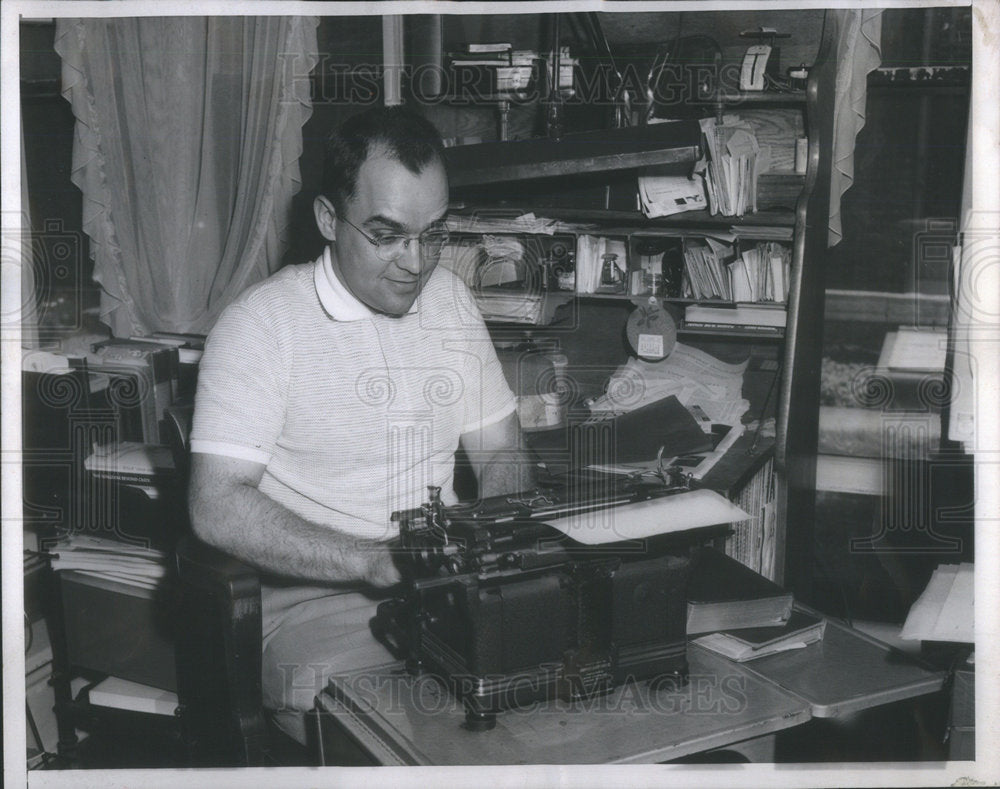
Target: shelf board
[[590, 152], [692, 220], [737, 98], [757, 333]]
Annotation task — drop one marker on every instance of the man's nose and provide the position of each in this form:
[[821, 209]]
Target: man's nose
[[410, 259]]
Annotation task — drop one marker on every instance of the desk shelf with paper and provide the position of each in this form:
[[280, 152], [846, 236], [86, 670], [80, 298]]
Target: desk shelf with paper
[[736, 274]]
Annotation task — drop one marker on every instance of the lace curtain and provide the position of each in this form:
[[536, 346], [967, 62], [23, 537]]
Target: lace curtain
[[860, 46], [188, 136]]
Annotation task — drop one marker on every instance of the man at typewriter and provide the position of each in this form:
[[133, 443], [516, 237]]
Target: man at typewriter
[[334, 393]]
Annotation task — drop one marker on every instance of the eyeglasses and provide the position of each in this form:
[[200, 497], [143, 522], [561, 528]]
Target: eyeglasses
[[393, 245]]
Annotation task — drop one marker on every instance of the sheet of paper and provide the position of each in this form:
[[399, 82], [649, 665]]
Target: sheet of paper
[[916, 349], [666, 515], [945, 609]]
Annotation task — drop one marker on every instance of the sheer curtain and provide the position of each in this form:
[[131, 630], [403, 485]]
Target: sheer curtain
[[188, 136], [860, 46]]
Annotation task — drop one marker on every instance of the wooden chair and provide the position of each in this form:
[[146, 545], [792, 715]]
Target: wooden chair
[[218, 647]]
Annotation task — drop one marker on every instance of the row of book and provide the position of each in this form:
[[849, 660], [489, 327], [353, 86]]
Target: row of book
[[713, 270]]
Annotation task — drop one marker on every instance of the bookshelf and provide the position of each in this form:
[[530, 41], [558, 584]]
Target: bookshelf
[[595, 195]]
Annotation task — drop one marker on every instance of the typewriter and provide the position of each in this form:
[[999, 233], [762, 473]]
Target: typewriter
[[508, 610]]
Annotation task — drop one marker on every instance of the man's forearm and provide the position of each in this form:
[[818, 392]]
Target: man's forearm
[[245, 523]]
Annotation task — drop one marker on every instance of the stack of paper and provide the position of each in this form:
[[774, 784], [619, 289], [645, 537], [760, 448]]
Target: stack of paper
[[484, 222], [663, 195], [733, 166], [512, 306], [110, 559], [697, 379]]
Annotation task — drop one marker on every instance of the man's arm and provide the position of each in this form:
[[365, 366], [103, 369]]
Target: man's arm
[[496, 457], [229, 512]]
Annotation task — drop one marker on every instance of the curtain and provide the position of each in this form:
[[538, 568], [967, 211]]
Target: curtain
[[859, 51], [188, 135]]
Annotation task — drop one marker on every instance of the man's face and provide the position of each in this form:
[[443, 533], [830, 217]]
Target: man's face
[[388, 200]]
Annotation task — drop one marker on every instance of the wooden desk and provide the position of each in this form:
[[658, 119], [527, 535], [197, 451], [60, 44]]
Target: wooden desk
[[401, 720]]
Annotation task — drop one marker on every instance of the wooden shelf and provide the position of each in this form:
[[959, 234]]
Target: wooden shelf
[[623, 222], [754, 97], [755, 332], [605, 150]]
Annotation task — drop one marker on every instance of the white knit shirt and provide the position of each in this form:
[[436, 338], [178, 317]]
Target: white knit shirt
[[353, 413]]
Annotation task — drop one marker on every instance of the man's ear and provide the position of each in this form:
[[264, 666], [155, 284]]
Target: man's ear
[[326, 217]]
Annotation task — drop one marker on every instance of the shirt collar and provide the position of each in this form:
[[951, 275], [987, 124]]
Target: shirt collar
[[339, 303]]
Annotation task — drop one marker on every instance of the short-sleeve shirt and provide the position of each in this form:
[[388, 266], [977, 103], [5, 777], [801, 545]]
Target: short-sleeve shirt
[[353, 413]]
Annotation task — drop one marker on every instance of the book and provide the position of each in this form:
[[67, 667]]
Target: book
[[726, 595], [913, 350], [799, 631], [639, 435], [132, 462], [737, 315], [123, 694]]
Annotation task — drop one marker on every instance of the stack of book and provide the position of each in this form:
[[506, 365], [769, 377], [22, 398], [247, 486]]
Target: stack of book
[[761, 317], [742, 615], [130, 463], [488, 69], [497, 69]]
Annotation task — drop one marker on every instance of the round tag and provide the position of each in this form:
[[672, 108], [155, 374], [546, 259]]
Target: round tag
[[651, 331]]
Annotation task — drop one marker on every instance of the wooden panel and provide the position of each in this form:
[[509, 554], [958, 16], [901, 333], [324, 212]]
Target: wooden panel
[[778, 129]]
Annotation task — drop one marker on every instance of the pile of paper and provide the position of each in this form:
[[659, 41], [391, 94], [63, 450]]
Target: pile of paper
[[663, 195], [696, 379], [110, 559], [733, 166], [485, 222], [511, 306]]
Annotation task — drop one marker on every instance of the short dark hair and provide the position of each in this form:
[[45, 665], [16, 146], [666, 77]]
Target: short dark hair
[[406, 136]]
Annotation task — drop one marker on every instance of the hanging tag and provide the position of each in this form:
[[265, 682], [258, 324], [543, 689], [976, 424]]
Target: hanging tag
[[651, 331]]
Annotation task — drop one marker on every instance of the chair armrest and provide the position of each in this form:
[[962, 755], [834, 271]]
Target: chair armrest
[[219, 655]]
